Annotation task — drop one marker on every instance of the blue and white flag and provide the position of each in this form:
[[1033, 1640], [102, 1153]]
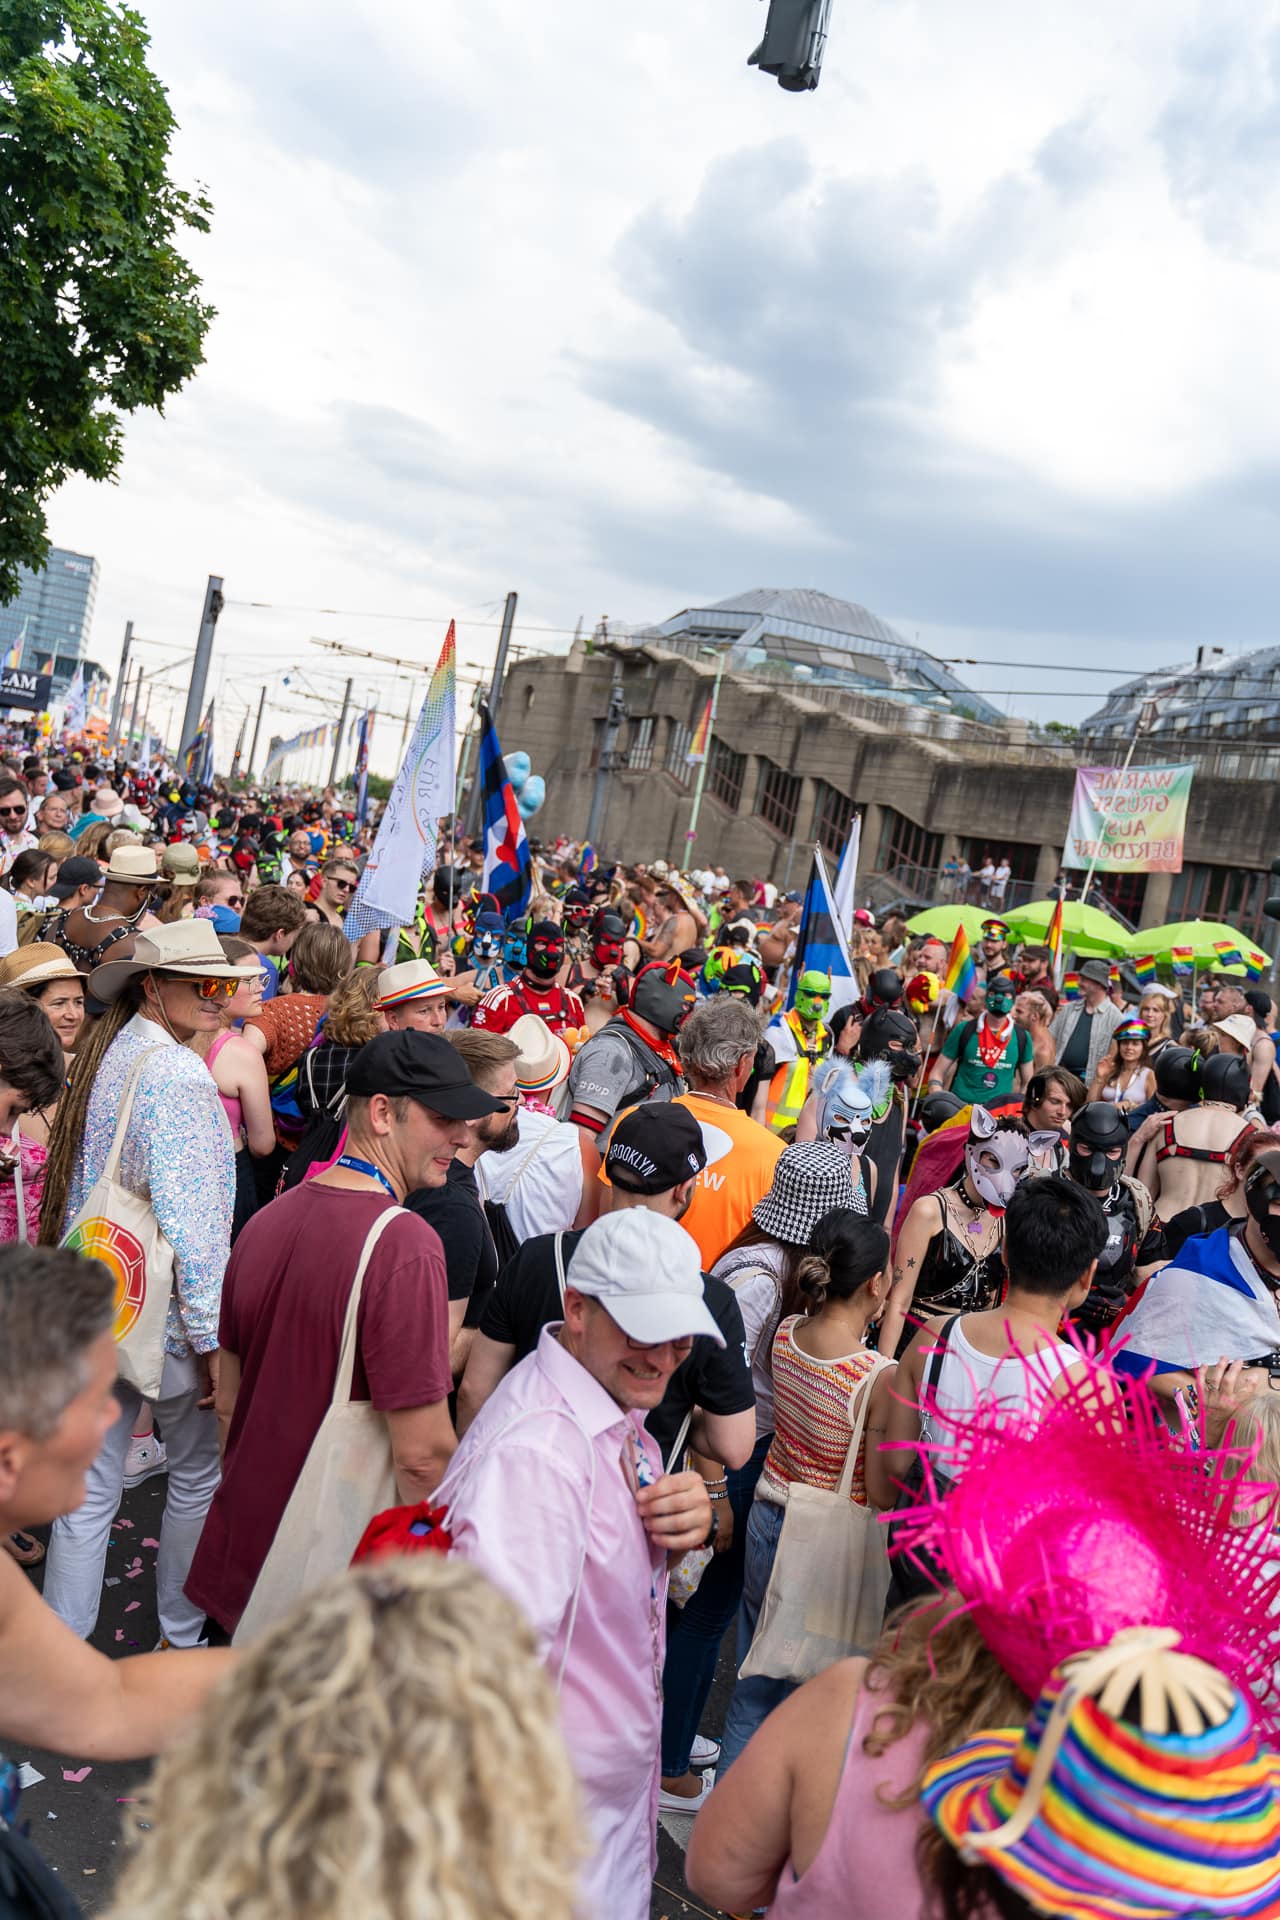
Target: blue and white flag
[[846, 887], [1208, 1304], [508, 864], [405, 848], [76, 708], [820, 944], [364, 727]]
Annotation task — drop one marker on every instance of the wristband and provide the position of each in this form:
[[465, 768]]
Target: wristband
[[713, 1530]]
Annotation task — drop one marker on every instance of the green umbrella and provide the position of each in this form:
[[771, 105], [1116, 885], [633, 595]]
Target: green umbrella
[[1199, 935], [1086, 931], [942, 922]]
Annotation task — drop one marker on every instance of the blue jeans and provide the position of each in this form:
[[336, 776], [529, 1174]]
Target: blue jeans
[[754, 1699], [694, 1632]]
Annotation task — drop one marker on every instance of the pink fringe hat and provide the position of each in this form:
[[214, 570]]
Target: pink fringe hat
[[1062, 1528]]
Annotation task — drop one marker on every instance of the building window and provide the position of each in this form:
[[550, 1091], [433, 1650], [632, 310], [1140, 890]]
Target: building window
[[640, 747], [679, 737], [726, 773], [832, 815], [1023, 860], [778, 798], [1202, 892], [904, 844], [1123, 891]]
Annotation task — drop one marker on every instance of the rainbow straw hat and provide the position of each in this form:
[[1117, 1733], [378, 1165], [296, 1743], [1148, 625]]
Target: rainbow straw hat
[[1138, 1790]]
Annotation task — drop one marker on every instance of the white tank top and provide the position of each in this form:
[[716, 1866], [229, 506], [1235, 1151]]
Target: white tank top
[[1015, 1381]]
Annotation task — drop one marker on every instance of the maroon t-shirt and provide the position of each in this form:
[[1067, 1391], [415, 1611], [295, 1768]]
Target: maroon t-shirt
[[283, 1303]]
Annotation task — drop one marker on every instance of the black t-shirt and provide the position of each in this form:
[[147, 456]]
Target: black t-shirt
[[457, 1214], [527, 1298]]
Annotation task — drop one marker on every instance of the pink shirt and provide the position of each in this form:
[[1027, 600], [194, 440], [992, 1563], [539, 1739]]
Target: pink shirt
[[865, 1868], [539, 1499]]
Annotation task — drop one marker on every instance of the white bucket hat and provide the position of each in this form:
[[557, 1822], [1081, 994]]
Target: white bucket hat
[[188, 947]]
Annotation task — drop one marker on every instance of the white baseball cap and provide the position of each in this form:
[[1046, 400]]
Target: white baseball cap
[[646, 1273]]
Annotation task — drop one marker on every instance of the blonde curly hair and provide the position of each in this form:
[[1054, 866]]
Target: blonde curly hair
[[391, 1750]]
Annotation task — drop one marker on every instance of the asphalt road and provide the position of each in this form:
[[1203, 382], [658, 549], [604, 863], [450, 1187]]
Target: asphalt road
[[79, 1814]]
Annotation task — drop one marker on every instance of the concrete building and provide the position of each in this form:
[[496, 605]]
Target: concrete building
[[51, 617], [788, 766]]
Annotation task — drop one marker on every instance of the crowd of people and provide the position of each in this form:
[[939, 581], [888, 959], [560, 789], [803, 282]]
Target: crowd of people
[[519, 1302]]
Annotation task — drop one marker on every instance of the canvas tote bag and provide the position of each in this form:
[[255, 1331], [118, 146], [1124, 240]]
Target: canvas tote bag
[[121, 1230], [826, 1592], [347, 1477]]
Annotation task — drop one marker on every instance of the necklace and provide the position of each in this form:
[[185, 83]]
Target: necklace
[[366, 1166], [721, 1099], [976, 1207]]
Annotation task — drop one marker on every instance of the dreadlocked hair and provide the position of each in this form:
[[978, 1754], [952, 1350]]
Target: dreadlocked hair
[[66, 1135], [390, 1749]]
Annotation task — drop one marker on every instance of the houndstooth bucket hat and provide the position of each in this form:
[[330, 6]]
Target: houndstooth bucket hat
[[808, 1180]]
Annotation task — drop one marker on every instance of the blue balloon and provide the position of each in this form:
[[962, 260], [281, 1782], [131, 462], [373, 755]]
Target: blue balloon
[[518, 765], [531, 796]]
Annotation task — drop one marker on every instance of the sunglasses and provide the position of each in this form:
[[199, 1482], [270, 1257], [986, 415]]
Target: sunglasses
[[14, 812], [344, 886], [208, 989]]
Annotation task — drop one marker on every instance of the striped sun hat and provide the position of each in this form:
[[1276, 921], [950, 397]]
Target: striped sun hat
[[1139, 1789], [411, 980]]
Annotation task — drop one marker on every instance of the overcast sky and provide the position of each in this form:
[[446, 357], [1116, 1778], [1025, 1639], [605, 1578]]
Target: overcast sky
[[984, 334]]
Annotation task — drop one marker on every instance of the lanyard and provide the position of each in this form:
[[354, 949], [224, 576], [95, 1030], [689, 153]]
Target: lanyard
[[366, 1166]]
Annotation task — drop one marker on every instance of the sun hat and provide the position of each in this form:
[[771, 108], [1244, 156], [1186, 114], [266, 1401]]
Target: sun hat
[[1239, 1027], [107, 802], [32, 966], [646, 1273], [808, 1180], [1060, 1525], [134, 866], [654, 1147], [411, 980], [544, 1060], [422, 1067], [1138, 1788], [1096, 970], [78, 871], [188, 947], [181, 865]]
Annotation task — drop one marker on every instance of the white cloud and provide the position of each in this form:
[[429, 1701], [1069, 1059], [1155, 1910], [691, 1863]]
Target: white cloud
[[981, 334]]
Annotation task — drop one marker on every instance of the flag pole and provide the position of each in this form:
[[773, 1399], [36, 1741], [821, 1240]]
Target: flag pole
[[924, 1064], [691, 832]]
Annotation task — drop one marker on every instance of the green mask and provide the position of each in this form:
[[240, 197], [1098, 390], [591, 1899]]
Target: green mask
[[813, 997], [999, 1002]]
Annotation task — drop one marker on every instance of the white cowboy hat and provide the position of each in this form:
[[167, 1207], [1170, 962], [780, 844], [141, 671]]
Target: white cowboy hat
[[189, 947], [544, 1059]]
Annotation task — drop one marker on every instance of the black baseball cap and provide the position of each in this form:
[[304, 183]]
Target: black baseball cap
[[422, 1067], [655, 1147], [79, 871]]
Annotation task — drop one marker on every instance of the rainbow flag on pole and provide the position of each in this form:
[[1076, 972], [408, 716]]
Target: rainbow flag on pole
[[1145, 969], [1255, 963], [1184, 959], [1229, 954], [1053, 940], [700, 746], [1071, 986], [962, 975]]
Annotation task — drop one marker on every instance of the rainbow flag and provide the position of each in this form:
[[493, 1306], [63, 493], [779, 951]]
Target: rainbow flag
[[587, 864], [1071, 986], [962, 975], [1145, 969], [639, 929], [1229, 954], [14, 656], [1255, 963], [1184, 959], [1114, 973], [700, 745], [1053, 940]]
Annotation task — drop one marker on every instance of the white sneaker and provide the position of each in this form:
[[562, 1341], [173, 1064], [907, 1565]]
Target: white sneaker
[[676, 1802], [703, 1754], [146, 1456]]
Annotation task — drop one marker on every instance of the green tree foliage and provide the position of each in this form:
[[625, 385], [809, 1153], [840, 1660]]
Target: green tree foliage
[[99, 311]]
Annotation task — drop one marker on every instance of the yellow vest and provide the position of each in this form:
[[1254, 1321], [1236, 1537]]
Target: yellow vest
[[789, 1088]]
